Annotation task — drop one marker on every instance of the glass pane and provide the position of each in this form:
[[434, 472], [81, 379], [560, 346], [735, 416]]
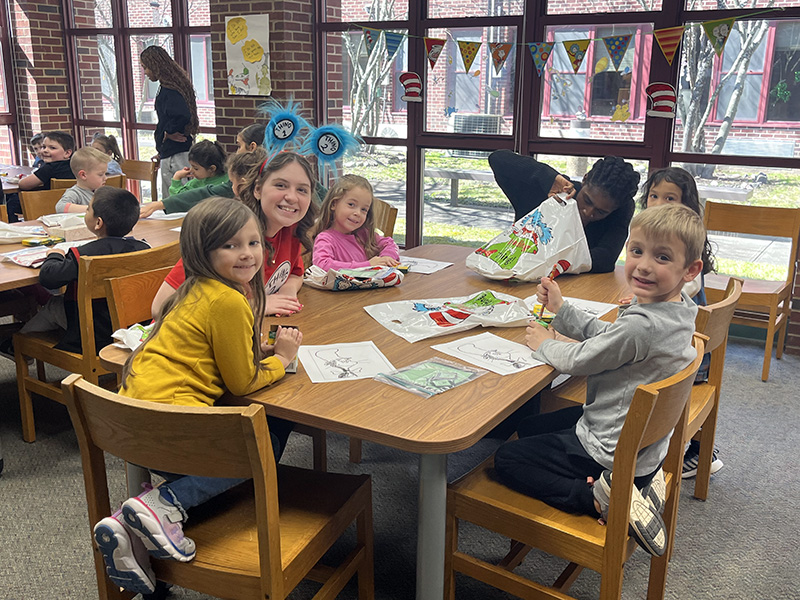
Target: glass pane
[[371, 10], [99, 88], [733, 4], [6, 156], [480, 101], [575, 167], [144, 90], [743, 106], [463, 205], [89, 133], [598, 101], [203, 78], [363, 89], [149, 13], [570, 7], [458, 8], [92, 14], [385, 168], [146, 148], [199, 13], [3, 99]]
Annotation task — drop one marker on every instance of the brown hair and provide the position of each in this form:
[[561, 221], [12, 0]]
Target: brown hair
[[674, 220], [171, 75], [365, 235]]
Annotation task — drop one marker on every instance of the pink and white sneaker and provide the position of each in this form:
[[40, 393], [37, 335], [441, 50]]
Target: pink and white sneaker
[[126, 558], [154, 517]]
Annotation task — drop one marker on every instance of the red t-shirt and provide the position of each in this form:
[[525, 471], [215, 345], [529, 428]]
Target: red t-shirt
[[286, 260]]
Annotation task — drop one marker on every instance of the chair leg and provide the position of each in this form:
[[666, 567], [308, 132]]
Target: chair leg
[[25, 399], [773, 313], [450, 547], [703, 476], [355, 450], [611, 585], [657, 582], [366, 572], [786, 310], [320, 443]]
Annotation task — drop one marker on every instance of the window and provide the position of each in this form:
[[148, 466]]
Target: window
[[783, 102], [9, 149]]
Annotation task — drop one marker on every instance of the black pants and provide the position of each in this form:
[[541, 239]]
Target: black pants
[[548, 462], [14, 207]]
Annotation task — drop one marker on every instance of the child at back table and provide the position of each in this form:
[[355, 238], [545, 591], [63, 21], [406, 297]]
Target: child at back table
[[58, 147], [89, 166], [563, 458], [107, 144], [345, 237], [206, 167], [206, 340]]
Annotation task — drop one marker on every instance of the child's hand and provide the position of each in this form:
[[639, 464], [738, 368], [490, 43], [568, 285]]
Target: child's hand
[[287, 341], [148, 209], [279, 304], [181, 174], [626, 299], [549, 294], [55, 251], [383, 261], [535, 334]]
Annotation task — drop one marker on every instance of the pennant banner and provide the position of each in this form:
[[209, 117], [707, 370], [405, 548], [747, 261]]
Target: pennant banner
[[540, 51], [576, 50], [718, 32], [433, 48], [617, 46], [668, 40], [371, 37], [500, 53], [393, 41], [469, 50]]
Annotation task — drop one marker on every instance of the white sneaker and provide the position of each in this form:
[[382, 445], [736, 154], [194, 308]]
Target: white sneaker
[[158, 522], [127, 562]]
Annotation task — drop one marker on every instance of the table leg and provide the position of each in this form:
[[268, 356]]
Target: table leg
[[430, 526]]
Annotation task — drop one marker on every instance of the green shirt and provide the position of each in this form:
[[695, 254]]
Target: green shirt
[[176, 187]]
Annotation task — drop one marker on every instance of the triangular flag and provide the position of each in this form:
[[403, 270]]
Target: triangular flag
[[469, 50], [718, 32], [500, 53], [540, 51], [433, 48], [576, 50], [371, 37], [393, 41], [669, 39], [617, 45]]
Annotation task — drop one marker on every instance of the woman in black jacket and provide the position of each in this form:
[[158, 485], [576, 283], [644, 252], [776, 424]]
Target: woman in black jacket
[[604, 197]]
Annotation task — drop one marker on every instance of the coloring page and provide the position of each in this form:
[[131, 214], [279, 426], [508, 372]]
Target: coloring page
[[340, 362], [491, 352], [423, 265], [596, 309]]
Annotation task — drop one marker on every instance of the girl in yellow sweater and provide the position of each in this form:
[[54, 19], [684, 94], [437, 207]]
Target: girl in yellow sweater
[[206, 340]]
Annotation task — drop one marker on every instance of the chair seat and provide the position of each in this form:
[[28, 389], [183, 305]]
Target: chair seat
[[572, 390], [226, 534]]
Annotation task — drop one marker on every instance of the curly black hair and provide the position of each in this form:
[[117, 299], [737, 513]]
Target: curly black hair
[[617, 178]]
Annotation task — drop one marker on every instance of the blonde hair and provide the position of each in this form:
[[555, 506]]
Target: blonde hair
[[674, 220], [365, 235], [87, 157]]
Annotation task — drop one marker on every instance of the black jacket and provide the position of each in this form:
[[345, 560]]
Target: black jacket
[[173, 117]]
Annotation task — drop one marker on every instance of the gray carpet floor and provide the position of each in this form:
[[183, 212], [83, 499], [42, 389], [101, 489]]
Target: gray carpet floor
[[740, 544]]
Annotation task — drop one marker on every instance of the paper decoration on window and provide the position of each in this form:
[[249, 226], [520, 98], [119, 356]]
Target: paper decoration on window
[[247, 55], [371, 37], [499, 53], [284, 127], [718, 32], [621, 113], [393, 41], [412, 84], [617, 46], [433, 48], [330, 143], [540, 51], [469, 50], [662, 98], [668, 40], [576, 50]]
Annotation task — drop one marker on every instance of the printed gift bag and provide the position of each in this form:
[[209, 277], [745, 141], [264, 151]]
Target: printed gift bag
[[366, 278], [548, 238]]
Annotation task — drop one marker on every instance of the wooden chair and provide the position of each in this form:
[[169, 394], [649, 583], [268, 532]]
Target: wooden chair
[[142, 170], [38, 203], [260, 539], [3, 213], [93, 271], [130, 298], [62, 184], [764, 304], [477, 497], [385, 216]]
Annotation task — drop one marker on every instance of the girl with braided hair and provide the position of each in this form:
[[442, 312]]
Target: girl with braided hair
[[176, 109], [604, 197]]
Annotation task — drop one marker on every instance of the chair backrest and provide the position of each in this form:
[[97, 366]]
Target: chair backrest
[[94, 270], [117, 181], [714, 320], [142, 170], [38, 203], [385, 216], [758, 220], [130, 297], [3, 213], [207, 441], [62, 184]]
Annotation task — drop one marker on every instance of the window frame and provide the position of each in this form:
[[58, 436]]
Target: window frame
[[8, 117]]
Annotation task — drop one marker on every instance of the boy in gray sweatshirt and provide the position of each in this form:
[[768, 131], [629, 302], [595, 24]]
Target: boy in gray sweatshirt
[[564, 458]]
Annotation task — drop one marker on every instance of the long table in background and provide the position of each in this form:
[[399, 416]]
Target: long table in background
[[381, 413], [154, 232], [13, 171]]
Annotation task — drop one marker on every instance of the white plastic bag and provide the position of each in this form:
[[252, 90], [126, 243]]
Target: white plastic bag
[[549, 237]]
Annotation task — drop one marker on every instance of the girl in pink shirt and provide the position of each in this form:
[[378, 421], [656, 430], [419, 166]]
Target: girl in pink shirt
[[345, 236]]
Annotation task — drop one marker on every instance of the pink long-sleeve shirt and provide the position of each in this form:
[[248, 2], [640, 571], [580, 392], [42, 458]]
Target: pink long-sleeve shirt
[[335, 250]]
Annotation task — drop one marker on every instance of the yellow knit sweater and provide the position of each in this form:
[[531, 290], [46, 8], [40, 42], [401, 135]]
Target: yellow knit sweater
[[203, 348]]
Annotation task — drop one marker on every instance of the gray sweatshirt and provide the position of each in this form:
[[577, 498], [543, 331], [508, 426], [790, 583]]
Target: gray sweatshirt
[[647, 343], [74, 195]]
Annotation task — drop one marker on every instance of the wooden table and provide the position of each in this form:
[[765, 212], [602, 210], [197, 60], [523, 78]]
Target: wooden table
[[156, 233], [377, 412], [13, 171]]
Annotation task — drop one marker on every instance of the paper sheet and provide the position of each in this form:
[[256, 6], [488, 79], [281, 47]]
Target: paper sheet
[[597, 309], [160, 215], [492, 352], [340, 362], [423, 265]]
